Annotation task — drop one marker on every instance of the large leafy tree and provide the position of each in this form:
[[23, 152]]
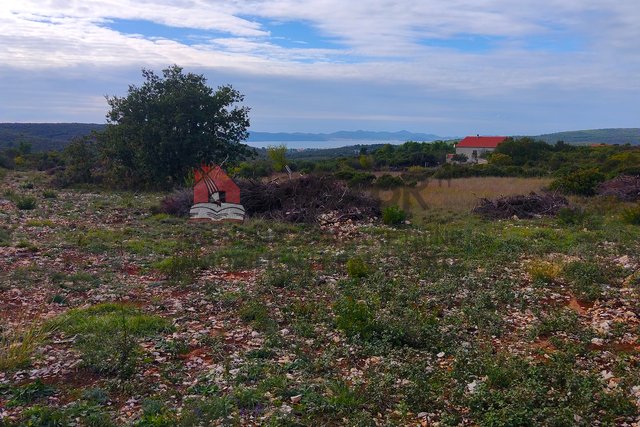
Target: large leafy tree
[[170, 124]]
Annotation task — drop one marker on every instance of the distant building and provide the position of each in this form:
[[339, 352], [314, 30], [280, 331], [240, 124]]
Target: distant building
[[474, 146]]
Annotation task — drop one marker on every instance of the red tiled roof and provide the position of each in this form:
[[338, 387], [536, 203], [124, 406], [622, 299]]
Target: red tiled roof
[[481, 141]]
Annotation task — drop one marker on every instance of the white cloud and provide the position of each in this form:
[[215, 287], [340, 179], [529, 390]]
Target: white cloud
[[380, 42]]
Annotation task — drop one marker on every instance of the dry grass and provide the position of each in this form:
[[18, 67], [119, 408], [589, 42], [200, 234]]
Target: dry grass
[[460, 195]]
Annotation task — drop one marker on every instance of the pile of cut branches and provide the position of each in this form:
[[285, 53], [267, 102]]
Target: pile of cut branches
[[530, 206], [624, 187], [304, 199]]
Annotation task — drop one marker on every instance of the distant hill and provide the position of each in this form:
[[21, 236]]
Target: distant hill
[[595, 136], [358, 135], [44, 136]]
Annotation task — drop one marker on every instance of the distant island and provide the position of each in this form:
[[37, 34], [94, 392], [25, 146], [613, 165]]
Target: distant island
[[55, 136]]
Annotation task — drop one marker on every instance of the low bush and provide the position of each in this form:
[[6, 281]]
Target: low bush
[[357, 267], [572, 216], [180, 269], [50, 194], [631, 215], [388, 181], [177, 203], [582, 182], [25, 202], [393, 215]]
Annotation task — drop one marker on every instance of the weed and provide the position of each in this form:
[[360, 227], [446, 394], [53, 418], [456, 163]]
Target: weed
[[206, 411], [49, 194], [393, 215], [572, 216], [544, 271], [180, 269], [256, 313], [40, 223], [25, 203], [631, 215], [354, 318], [107, 335], [587, 279], [30, 393], [5, 236], [357, 267], [17, 344], [77, 282]]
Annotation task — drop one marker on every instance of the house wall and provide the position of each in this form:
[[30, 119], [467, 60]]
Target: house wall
[[468, 151]]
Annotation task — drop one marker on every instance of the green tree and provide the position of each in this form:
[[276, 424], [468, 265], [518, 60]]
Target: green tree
[[278, 156], [170, 124]]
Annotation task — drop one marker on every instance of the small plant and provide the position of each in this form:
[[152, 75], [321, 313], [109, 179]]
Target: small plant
[[544, 271], [587, 279], [180, 269], [354, 318], [27, 185], [18, 343], [256, 313], [631, 215], [49, 194], [5, 236], [572, 216], [107, 335], [357, 268], [393, 215], [25, 203]]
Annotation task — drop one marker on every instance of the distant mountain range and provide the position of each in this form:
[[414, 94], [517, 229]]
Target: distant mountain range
[[55, 136], [358, 135], [595, 136]]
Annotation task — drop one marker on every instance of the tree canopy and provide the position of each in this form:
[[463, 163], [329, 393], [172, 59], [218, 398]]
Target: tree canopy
[[170, 124]]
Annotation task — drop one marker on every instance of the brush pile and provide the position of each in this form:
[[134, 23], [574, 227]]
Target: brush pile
[[306, 200], [625, 188], [530, 206]]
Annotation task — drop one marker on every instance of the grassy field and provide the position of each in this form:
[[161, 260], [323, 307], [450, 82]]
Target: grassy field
[[111, 315]]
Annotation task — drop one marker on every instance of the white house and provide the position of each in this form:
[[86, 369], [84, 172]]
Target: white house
[[474, 146]]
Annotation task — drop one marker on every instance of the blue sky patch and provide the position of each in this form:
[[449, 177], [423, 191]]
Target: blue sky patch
[[298, 34], [149, 29]]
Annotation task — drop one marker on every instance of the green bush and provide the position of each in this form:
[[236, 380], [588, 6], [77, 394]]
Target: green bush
[[354, 318], [582, 182], [49, 194], [393, 215], [357, 267], [572, 216], [631, 215], [180, 269], [388, 181], [25, 202]]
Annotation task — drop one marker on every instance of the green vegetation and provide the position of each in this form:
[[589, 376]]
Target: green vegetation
[[152, 321]]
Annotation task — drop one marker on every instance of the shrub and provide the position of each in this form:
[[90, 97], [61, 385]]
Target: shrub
[[49, 194], [354, 318], [582, 182], [393, 215], [25, 202], [572, 216], [357, 268], [388, 181], [631, 215], [177, 203], [5, 236], [180, 269]]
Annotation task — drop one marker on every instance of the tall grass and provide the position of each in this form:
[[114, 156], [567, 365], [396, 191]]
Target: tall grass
[[462, 194], [17, 344]]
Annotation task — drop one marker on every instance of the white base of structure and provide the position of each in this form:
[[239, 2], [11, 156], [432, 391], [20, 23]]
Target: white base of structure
[[217, 212]]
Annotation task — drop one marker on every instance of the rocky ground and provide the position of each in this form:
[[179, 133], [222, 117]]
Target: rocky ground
[[114, 316]]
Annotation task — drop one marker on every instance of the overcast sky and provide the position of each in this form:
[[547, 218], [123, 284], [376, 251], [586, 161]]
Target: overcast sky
[[450, 67]]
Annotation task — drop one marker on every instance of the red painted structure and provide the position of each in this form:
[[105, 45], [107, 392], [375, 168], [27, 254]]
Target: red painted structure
[[212, 179], [481, 142]]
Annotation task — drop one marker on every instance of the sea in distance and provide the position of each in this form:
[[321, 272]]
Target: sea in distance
[[332, 143]]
